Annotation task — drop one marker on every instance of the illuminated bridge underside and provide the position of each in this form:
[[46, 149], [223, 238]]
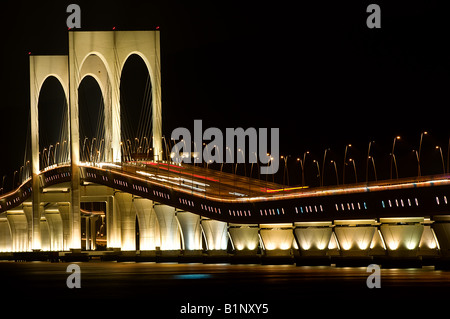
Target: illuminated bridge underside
[[402, 220]]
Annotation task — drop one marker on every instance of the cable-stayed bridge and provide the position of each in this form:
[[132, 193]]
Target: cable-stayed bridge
[[113, 192]]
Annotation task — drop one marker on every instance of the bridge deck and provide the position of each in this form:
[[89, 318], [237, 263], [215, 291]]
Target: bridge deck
[[239, 199]]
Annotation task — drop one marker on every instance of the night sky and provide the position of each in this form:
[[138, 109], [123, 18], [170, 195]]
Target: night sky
[[312, 68]]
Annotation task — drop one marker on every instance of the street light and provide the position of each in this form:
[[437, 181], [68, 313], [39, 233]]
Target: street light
[[318, 171], [418, 163], [323, 164], [420, 143], [354, 168], [367, 160], [393, 156], [374, 169], [48, 154], [442, 158], [285, 170], [343, 169], [335, 169]]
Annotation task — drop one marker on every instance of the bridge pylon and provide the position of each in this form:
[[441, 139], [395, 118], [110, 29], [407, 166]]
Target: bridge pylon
[[102, 55]]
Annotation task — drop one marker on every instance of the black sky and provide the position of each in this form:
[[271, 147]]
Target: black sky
[[312, 68]]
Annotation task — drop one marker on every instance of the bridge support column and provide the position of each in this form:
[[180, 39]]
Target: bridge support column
[[127, 220], [428, 245], [355, 236], [112, 224], [313, 237], [216, 233], [19, 230], [245, 241], [402, 235], [441, 227], [278, 240], [149, 237], [64, 209], [32, 221], [40, 68], [245, 238], [191, 232], [168, 227], [5, 236], [55, 228], [45, 234]]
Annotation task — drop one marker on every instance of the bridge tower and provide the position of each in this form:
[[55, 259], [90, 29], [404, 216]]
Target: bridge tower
[[102, 55]]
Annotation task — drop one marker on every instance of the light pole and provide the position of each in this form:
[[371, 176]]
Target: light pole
[[418, 163], [55, 158], [323, 164], [43, 157], [393, 156], [442, 158], [420, 148], [318, 171], [354, 169], [63, 160], [285, 170], [367, 160], [374, 169], [302, 166], [48, 154], [90, 153], [343, 169], [335, 170]]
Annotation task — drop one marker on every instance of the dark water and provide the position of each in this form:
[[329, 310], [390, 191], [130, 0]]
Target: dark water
[[284, 289]]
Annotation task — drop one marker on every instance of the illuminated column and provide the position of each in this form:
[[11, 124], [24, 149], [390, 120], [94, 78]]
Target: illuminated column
[[428, 245], [55, 227], [148, 224], [441, 227], [156, 97], [45, 235], [216, 233], [245, 238], [402, 235], [93, 231], [313, 238], [41, 67], [191, 231], [64, 209], [19, 230], [277, 239], [6, 241], [355, 236], [31, 220], [74, 81], [168, 227], [127, 220], [113, 230]]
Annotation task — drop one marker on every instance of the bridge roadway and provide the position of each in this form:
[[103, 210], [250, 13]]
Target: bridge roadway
[[237, 199]]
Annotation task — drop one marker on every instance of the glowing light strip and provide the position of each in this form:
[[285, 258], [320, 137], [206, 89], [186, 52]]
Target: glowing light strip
[[313, 193], [165, 179], [285, 189]]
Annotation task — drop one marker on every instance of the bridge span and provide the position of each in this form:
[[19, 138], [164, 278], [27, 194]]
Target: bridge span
[[159, 209], [156, 208]]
